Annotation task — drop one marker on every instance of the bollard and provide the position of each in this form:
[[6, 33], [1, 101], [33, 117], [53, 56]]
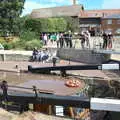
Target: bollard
[[54, 61], [35, 90]]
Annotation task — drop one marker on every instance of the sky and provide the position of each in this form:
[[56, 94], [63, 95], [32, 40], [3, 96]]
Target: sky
[[88, 4]]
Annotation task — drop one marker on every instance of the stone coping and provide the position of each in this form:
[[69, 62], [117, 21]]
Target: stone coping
[[16, 52]]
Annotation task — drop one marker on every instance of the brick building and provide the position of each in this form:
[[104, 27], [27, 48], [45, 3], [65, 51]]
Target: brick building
[[111, 24], [100, 20], [94, 20]]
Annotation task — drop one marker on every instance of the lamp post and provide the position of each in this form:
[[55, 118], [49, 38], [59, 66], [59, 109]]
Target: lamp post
[[74, 2]]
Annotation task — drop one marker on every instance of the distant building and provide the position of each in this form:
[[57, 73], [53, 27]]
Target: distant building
[[100, 20], [96, 21], [61, 11], [111, 24]]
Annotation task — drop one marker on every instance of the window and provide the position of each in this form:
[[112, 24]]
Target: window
[[118, 21], [109, 22], [108, 30], [118, 31]]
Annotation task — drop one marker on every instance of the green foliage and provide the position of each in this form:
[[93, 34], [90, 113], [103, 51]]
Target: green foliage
[[46, 25], [72, 24], [22, 45], [60, 24], [7, 46], [1, 39], [30, 45], [33, 25], [28, 35], [10, 10]]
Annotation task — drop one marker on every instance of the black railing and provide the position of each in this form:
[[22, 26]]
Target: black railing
[[24, 98]]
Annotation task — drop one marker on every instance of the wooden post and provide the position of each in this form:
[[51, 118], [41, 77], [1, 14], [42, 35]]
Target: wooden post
[[50, 110], [71, 112]]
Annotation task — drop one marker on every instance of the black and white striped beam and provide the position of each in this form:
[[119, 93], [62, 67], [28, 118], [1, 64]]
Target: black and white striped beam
[[105, 104], [114, 66]]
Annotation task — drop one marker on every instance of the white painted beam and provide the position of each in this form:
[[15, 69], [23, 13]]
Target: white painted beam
[[105, 104], [107, 51], [110, 66]]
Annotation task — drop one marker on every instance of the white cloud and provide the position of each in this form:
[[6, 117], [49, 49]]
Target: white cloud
[[30, 5], [109, 4]]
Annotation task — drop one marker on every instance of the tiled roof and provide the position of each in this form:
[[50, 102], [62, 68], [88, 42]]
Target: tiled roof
[[72, 10], [98, 13]]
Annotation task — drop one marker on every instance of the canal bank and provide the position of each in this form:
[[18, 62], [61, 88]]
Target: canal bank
[[84, 56], [77, 55], [15, 55]]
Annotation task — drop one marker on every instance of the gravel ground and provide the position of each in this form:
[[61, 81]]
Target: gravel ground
[[4, 115]]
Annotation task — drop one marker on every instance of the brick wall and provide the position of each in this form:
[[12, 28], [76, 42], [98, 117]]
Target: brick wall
[[114, 26]]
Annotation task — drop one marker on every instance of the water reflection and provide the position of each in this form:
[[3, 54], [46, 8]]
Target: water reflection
[[45, 82], [17, 78]]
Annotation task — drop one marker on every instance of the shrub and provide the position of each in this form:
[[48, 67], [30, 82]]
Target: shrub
[[7, 46], [1, 39], [29, 45], [28, 35], [19, 44]]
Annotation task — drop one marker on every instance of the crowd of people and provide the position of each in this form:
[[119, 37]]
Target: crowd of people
[[40, 56], [62, 39], [43, 56], [66, 39], [85, 39], [107, 40]]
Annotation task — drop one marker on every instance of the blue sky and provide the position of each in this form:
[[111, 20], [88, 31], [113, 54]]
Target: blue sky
[[88, 4]]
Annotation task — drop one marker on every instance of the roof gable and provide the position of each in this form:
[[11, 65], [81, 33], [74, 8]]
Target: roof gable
[[73, 10]]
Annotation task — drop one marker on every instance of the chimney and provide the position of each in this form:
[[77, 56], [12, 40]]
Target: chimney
[[74, 2]]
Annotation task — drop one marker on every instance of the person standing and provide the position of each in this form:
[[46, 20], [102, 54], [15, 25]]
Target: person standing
[[82, 38], [57, 40], [87, 38], [61, 39], [110, 40], [45, 39], [54, 60], [4, 87], [105, 40], [70, 39], [66, 39]]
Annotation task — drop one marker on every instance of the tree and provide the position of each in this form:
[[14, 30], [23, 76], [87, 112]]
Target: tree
[[72, 23], [33, 25], [10, 10], [46, 25]]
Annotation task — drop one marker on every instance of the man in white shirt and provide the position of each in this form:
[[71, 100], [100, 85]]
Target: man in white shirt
[[45, 38]]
